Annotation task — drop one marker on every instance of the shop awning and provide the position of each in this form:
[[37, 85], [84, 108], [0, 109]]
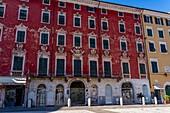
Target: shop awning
[[12, 80], [158, 87]]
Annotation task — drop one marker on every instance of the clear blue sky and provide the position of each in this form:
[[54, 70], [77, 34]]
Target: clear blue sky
[[159, 5]]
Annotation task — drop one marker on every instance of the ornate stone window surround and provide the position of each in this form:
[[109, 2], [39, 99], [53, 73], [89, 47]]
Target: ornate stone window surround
[[95, 42], [141, 59], [21, 27], [64, 14], [78, 34], [91, 18], [77, 58], [1, 28], [94, 36], [122, 22], [108, 60], [23, 7], [45, 10], [93, 59], [104, 19], [60, 57], [44, 30], [2, 4], [43, 56], [137, 46], [77, 15], [108, 43], [121, 45]]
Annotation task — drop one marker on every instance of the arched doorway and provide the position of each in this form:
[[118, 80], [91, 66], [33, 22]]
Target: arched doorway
[[108, 94], [41, 95], [60, 95], [145, 92], [167, 89], [94, 94], [127, 93], [77, 93]]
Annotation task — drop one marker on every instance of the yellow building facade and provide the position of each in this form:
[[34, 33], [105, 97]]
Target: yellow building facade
[[156, 28]]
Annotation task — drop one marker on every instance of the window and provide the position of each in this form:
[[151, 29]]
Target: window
[[20, 36], [62, 4], [77, 21], [136, 16], [61, 40], [163, 47], [77, 41], [104, 25], [105, 43], [123, 45], [93, 68], [154, 66], [23, 14], [159, 21], [169, 32], [107, 69], [61, 19], [121, 27], [125, 66], [77, 68], [104, 11], [44, 37], [2, 11], [149, 31], [43, 66], [60, 68], [152, 46], [139, 47], [18, 63], [46, 2], [142, 68], [77, 6], [0, 34], [167, 22], [120, 14], [92, 23], [160, 33], [148, 19], [91, 9], [45, 17], [137, 29], [92, 42]]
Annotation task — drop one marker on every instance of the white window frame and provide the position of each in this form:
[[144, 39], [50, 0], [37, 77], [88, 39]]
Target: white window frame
[[77, 9], [64, 19], [1, 28], [107, 60], [102, 12], [48, 37], [155, 60], [121, 12], [161, 29], [42, 17], [79, 58], [19, 55], [19, 13], [4, 10], [149, 27], [136, 31], [124, 27], [64, 39], [61, 6], [139, 68], [107, 25], [60, 57], [74, 21], [150, 41], [95, 42], [45, 3], [47, 63], [134, 16], [128, 66], [74, 40], [94, 22], [121, 45], [17, 35], [137, 46], [165, 47], [148, 20], [108, 43], [93, 59]]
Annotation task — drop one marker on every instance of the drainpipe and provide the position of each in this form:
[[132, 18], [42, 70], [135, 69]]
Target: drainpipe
[[144, 37], [100, 60]]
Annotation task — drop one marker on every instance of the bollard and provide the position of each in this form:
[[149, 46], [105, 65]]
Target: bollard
[[69, 102], [89, 102], [143, 100], [156, 102], [29, 103], [121, 101]]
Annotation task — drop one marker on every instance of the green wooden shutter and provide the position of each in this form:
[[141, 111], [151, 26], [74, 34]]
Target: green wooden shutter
[[77, 6], [149, 31], [122, 27], [123, 46], [151, 19], [104, 25], [43, 66], [61, 19], [77, 41], [77, 21], [45, 17], [137, 30], [87, 8], [20, 36], [151, 47], [77, 68], [154, 67], [18, 63], [125, 68], [1, 11], [107, 69], [44, 38], [93, 68], [142, 68], [163, 48], [145, 20], [92, 23], [0, 34], [61, 40], [105, 44], [23, 14], [161, 35], [92, 43], [60, 67], [140, 48]]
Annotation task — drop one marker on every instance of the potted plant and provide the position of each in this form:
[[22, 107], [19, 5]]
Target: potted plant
[[166, 99], [139, 96]]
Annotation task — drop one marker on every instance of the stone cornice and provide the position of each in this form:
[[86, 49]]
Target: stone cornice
[[62, 12], [21, 26], [91, 16], [44, 29], [105, 36], [77, 32], [23, 6], [92, 34], [77, 14], [19, 50], [138, 39], [46, 9], [156, 13], [61, 31]]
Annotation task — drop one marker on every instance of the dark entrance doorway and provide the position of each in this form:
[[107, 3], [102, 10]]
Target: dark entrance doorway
[[127, 93], [77, 93]]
